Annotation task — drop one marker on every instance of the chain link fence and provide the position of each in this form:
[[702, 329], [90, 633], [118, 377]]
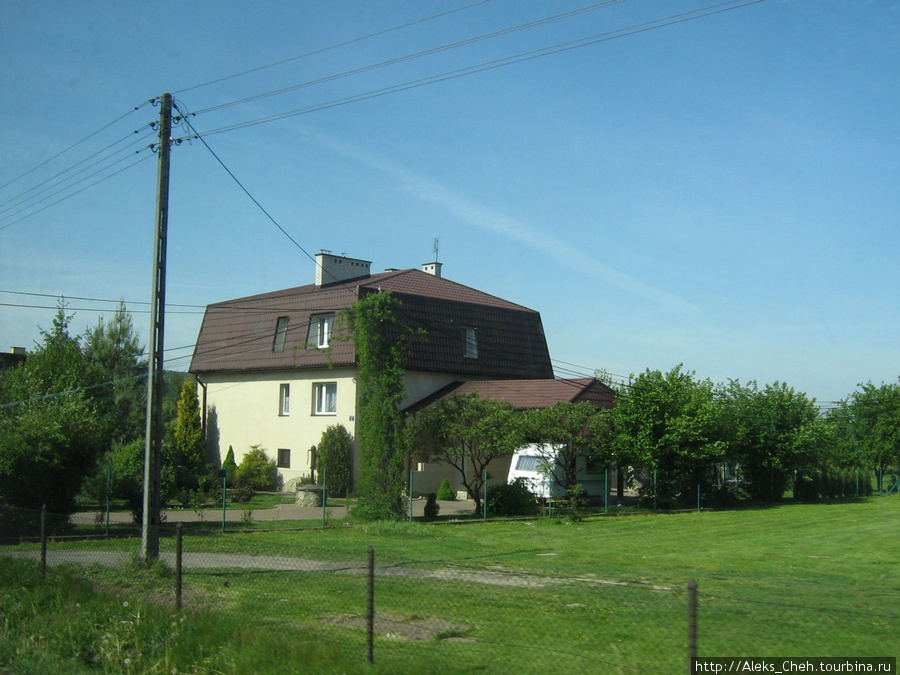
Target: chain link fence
[[514, 612]]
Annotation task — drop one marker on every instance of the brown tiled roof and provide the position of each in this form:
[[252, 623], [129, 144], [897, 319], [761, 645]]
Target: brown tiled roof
[[239, 335], [527, 394]]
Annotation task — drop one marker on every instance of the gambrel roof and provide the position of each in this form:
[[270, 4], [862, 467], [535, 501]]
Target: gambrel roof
[[240, 335]]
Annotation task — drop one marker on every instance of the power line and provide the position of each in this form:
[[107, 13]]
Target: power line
[[59, 190], [83, 309], [76, 297], [10, 203], [72, 194], [335, 46], [241, 185], [74, 145], [710, 10], [416, 55]]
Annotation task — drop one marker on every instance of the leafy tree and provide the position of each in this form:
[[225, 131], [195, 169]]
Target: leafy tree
[[127, 462], [667, 423], [770, 433], [113, 348], [567, 431], [335, 459], [869, 420], [468, 433], [188, 436], [256, 471], [380, 343], [51, 424]]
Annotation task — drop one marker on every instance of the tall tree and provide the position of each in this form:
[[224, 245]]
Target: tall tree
[[114, 348], [870, 421], [770, 433], [190, 447], [51, 425], [380, 342], [468, 433], [667, 424]]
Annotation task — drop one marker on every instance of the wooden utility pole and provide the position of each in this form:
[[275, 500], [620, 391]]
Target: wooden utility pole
[[154, 434]]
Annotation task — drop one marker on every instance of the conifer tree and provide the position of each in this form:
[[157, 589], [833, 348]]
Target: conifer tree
[[189, 442]]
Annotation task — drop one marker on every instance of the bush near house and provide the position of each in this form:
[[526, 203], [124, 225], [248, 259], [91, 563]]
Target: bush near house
[[256, 471], [444, 493], [431, 506], [335, 459], [512, 499]]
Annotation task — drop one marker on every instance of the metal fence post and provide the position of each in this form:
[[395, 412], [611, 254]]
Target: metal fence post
[[692, 623], [655, 489], [44, 540], [484, 502], [224, 496], [410, 495], [606, 492], [324, 497], [178, 555], [370, 610], [108, 494]]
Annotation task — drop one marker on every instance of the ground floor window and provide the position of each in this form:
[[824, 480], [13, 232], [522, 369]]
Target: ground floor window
[[284, 458]]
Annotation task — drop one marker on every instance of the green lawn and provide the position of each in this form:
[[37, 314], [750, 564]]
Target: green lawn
[[598, 595]]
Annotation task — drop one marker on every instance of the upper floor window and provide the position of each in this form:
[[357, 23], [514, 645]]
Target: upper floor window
[[280, 334], [284, 400], [320, 328], [471, 343], [325, 398]]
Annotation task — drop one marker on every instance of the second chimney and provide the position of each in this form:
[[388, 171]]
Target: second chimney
[[432, 268]]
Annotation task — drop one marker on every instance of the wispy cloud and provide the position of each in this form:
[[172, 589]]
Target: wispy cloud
[[486, 218]]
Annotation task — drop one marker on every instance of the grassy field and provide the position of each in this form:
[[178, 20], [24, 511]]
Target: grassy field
[[596, 595]]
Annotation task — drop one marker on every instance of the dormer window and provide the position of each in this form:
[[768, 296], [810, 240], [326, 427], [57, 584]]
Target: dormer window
[[471, 348], [320, 328], [280, 334]]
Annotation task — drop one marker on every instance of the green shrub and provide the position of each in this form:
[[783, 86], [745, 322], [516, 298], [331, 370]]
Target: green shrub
[[512, 499], [229, 465], [431, 507], [256, 471], [241, 494], [444, 493]]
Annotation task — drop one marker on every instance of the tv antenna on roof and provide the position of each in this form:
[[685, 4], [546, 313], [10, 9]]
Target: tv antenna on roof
[[437, 241]]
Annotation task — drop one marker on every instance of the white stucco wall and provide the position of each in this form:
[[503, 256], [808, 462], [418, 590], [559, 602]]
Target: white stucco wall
[[244, 410]]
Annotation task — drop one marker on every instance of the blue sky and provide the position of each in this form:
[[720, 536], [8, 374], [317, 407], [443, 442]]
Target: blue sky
[[720, 192]]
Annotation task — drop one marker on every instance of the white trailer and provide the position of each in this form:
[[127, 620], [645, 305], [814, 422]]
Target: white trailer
[[536, 466]]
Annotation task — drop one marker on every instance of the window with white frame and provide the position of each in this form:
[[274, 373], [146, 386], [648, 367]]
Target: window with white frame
[[320, 327], [281, 327], [325, 398], [471, 343], [284, 400]]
